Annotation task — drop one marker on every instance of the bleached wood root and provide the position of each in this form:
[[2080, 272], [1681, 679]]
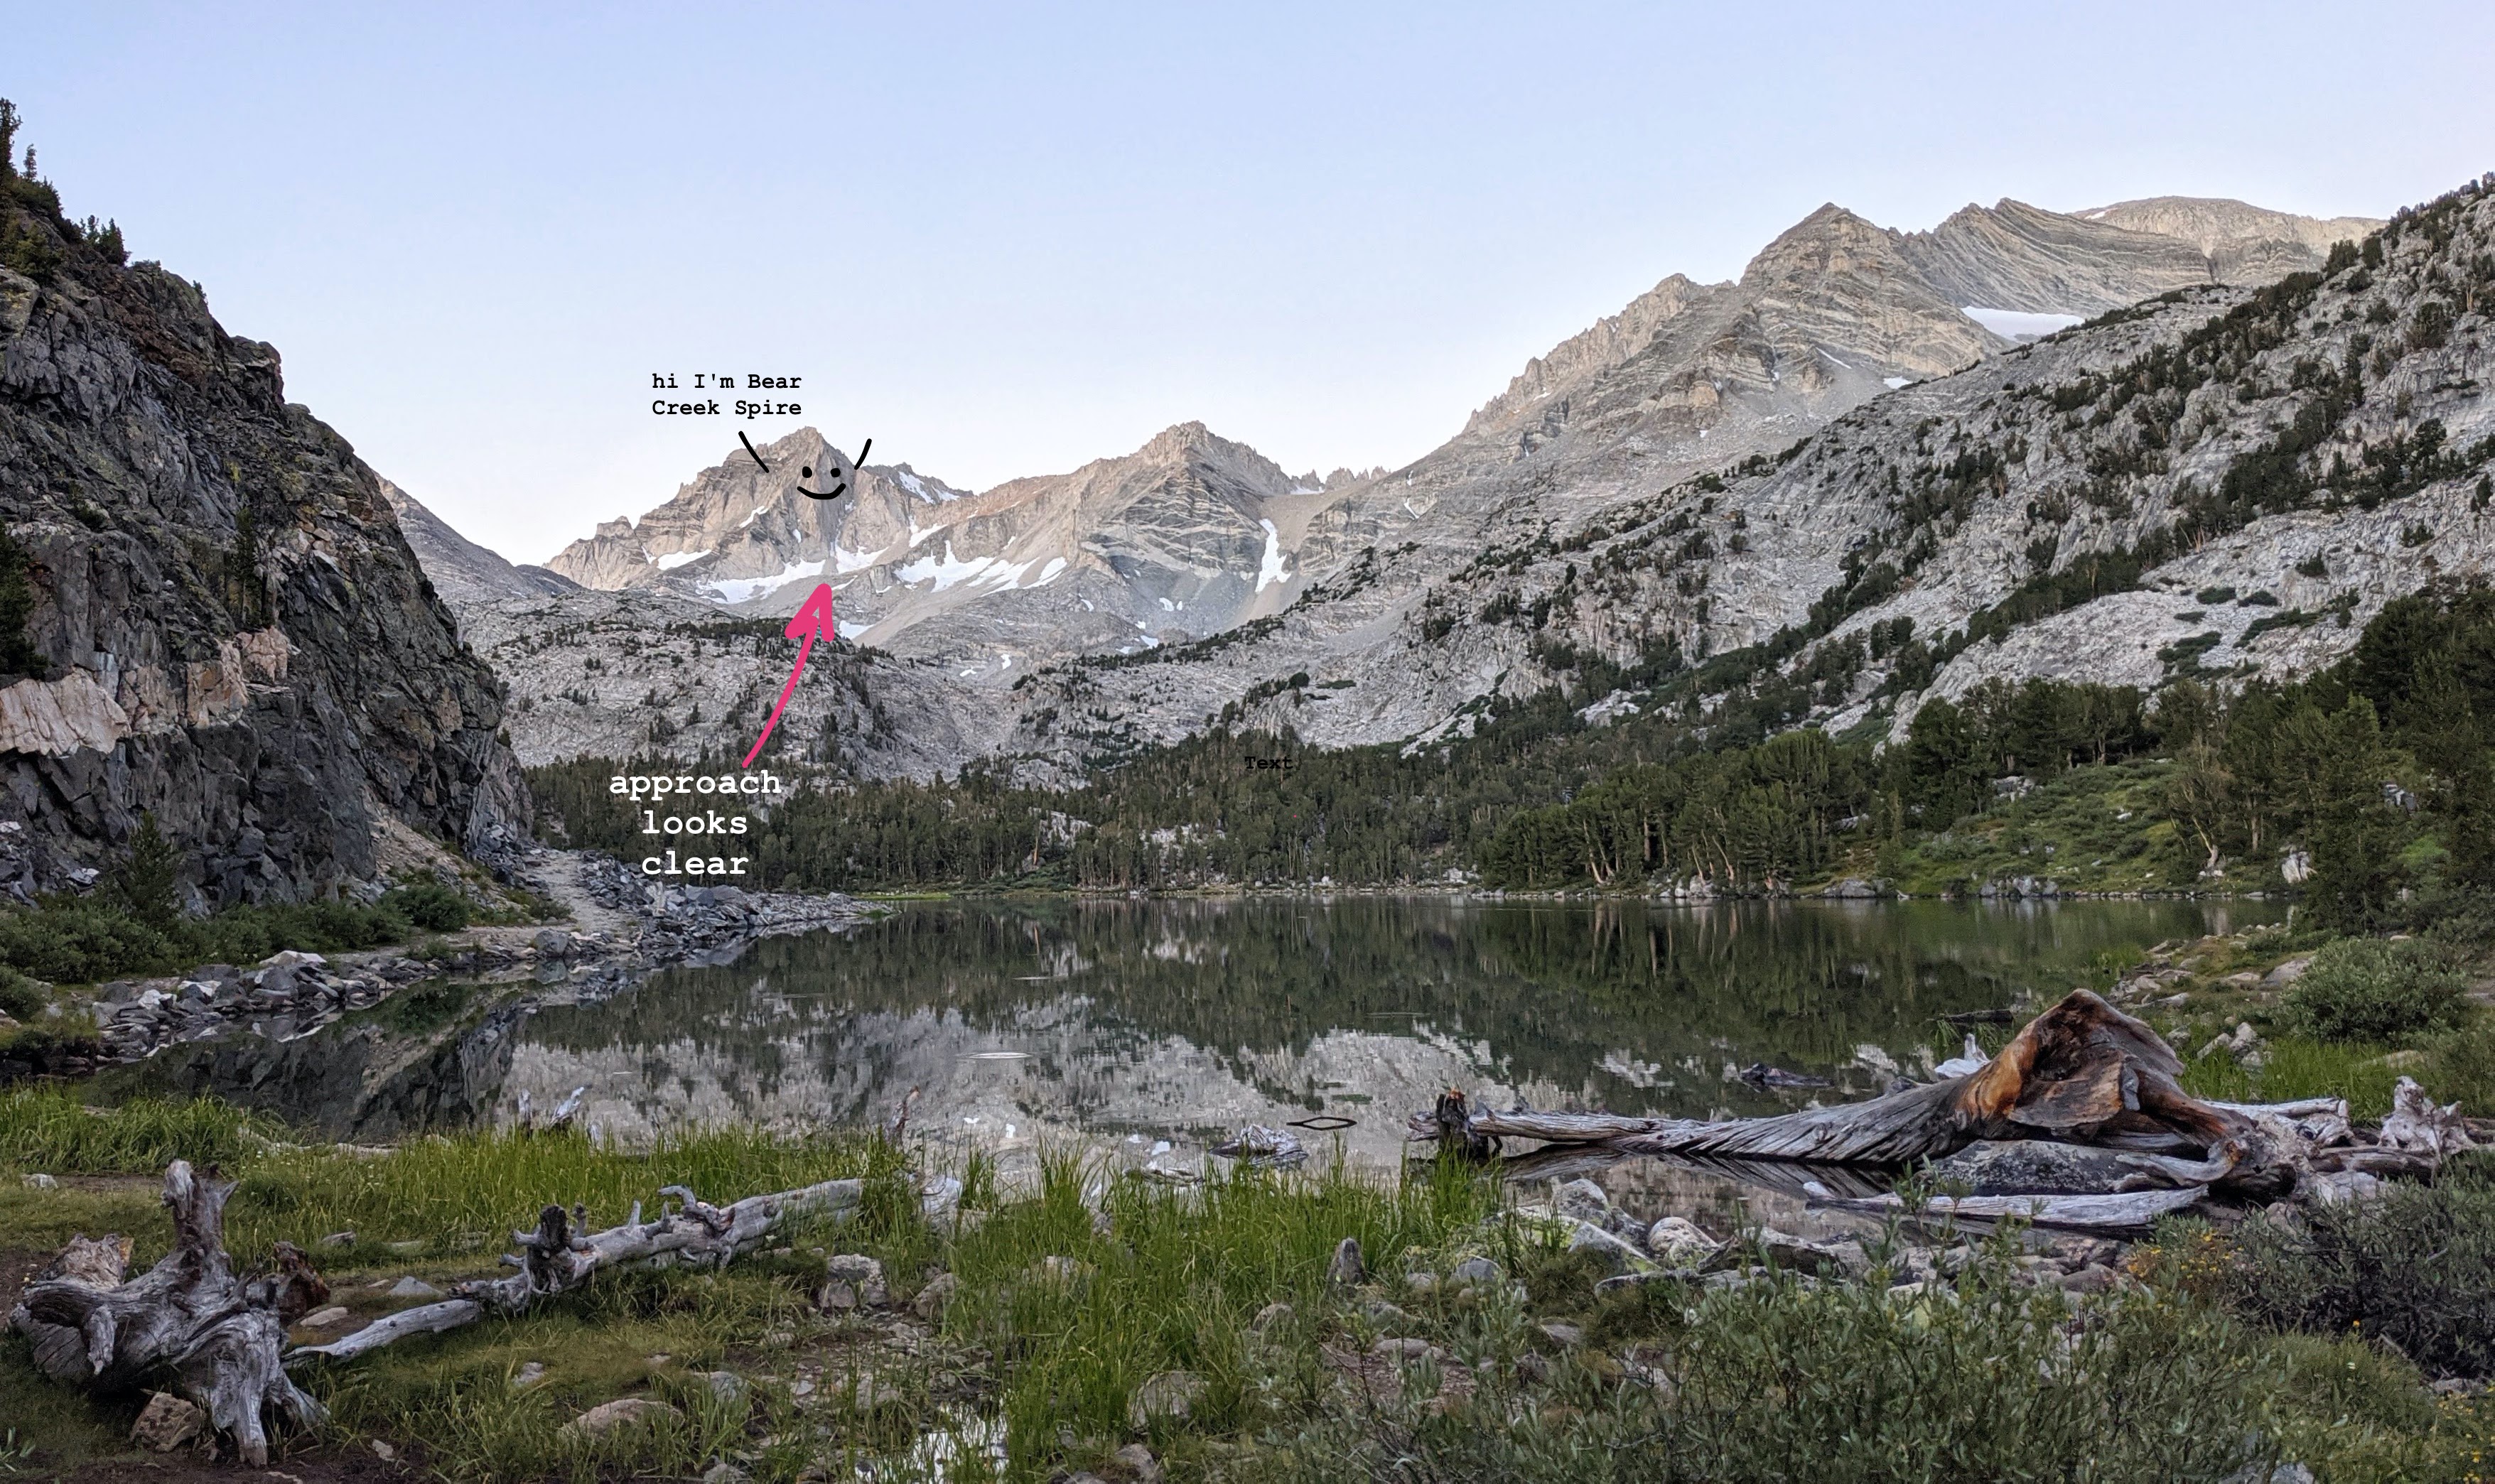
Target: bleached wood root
[[2128, 1214], [2080, 1072], [557, 1257], [217, 1338]]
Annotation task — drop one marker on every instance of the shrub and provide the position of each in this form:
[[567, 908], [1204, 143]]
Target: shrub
[[2460, 1066], [19, 999], [429, 905], [86, 940], [78, 942], [1846, 1381], [2374, 989], [2415, 1267]]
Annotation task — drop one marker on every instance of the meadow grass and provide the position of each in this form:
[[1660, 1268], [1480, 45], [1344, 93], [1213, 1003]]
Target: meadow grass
[[448, 1194], [44, 1130], [1979, 1376], [2294, 1068], [1173, 1282]]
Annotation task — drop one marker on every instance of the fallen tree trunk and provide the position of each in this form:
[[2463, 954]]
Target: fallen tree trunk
[[558, 1257], [2081, 1073], [189, 1319]]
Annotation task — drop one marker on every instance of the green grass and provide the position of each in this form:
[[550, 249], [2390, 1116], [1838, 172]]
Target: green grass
[[2070, 827], [1848, 1381], [1173, 1285], [2460, 1065], [1842, 1381], [638, 1335], [2189, 1379], [45, 1129], [2295, 1067]]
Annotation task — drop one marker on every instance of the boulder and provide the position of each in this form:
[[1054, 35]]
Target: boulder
[[2095, 1278], [167, 1423], [853, 1282], [1792, 1254], [1170, 1394], [1581, 1200], [1677, 1242], [930, 1302], [622, 1412], [2030, 1167], [1615, 1253]]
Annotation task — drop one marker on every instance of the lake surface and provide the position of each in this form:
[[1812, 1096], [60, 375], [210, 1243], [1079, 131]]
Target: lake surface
[[1142, 1023]]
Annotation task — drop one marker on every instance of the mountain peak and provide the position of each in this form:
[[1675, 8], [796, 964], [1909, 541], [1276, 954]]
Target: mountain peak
[[1829, 240], [1181, 435]]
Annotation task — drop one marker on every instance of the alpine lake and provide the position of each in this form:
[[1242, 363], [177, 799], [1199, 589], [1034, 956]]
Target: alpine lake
[[1142, 1033]]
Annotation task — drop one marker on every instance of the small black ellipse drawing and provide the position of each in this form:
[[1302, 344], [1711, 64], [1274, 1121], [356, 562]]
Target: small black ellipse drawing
[[837, 470]]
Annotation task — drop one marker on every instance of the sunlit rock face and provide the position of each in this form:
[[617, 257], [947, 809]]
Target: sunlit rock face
[[1071, 617]]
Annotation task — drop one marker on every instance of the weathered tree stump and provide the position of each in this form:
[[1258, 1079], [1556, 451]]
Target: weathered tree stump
[[217, 1337], [2082, 1073]]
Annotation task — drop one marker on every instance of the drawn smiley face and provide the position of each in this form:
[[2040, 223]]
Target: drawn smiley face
[[839, 472]]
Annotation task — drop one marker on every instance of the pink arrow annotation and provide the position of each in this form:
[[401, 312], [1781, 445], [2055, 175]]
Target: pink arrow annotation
[[813, 620]]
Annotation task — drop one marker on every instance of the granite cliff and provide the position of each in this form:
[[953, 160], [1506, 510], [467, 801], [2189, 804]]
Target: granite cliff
[[209, 611]]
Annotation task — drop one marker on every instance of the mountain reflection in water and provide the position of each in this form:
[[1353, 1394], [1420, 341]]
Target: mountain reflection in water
[[1143, 1021]]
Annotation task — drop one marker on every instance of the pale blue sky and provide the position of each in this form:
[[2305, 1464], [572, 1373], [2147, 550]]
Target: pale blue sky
[[1003, 240]]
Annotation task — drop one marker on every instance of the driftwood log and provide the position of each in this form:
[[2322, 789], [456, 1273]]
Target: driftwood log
[[215, 1335], [560, 1255], [2082, 1073], [220, 1339]]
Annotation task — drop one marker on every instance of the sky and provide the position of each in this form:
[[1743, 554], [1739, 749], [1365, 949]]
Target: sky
[[1006, 240]]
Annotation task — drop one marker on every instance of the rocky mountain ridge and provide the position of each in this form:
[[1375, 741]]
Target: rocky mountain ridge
[[2220, 481], [1171, 582], [210, 616], [462, 571]]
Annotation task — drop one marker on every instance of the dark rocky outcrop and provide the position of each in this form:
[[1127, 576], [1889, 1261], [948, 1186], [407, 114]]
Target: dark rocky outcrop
[[224, 626]]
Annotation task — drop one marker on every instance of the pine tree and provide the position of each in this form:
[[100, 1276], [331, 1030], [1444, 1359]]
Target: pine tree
[[18, 656], [148, 884]]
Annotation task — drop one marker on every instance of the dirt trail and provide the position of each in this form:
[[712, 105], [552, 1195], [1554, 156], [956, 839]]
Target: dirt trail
[[563, 876]]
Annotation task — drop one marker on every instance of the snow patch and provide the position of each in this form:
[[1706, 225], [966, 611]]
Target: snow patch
[[950, 571], [1050, 573], [845, 560], [742, 589], [1273, 569], [2018, 323], [674, 560], [1894, 383]]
